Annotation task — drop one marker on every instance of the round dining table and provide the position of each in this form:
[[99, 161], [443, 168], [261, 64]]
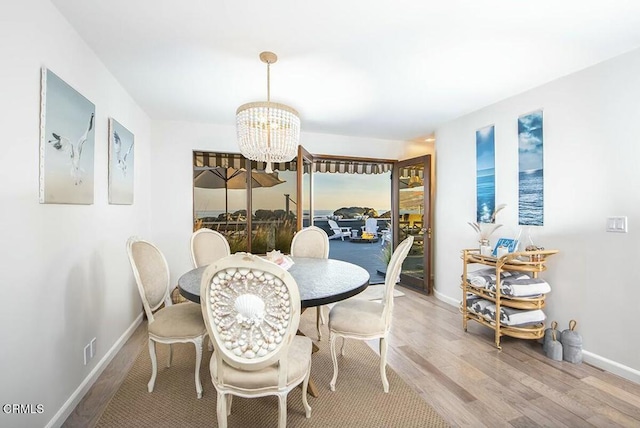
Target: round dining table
[[320, 281]]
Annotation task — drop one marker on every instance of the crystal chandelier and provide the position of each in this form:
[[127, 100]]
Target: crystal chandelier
[[268, 132]]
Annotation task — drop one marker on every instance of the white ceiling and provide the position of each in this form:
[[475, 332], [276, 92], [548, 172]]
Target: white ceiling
[[384, 69]]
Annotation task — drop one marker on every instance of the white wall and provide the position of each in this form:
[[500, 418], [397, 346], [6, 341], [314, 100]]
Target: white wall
[[172, 176], [65, 275], [591, 153]]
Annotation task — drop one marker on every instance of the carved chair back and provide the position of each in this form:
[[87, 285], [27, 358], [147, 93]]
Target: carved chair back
[[251, 308]]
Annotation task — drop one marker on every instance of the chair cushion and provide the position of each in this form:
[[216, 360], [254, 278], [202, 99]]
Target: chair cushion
[[183, 320], [299, 358], [357, 316]]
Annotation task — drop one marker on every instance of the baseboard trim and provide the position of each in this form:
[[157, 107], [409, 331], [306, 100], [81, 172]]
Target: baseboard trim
[[63, 413], [588, 357], [446, 299], [611, 366]]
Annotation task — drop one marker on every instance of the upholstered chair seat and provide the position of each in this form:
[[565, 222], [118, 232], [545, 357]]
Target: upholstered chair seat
[[175, 321], [299, 359], [357, 316]]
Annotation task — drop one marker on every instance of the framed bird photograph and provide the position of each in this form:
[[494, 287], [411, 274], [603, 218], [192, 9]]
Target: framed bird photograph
[[120, 164], [67, 141]]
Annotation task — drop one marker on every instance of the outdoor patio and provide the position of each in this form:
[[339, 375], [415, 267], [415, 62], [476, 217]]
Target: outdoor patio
[[367, 255]]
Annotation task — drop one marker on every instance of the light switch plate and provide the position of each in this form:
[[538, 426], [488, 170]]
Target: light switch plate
[[87, 354], [617, 224]]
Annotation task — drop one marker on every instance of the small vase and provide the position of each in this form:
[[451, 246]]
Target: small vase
[[485, 247]]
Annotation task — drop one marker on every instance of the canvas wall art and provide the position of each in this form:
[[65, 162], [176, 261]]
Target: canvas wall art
[[485, 174], [530, 170], [67, 140], [120, 164]]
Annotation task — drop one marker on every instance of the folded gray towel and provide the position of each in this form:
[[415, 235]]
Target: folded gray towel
[[521, 287], [515, 317], [477, 305], [483, 277]]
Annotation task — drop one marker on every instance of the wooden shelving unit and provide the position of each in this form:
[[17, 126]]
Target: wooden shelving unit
[[531, 262]]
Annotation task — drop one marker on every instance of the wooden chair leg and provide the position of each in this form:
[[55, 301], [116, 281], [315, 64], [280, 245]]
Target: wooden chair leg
[[305, 385], [222, 410], [198, 343], [154, 365], [383, 364], [282, 411], [332, 345], [318, 318]]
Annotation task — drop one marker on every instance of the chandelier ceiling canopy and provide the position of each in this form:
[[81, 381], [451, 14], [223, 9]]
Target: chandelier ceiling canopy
[[267, 131]]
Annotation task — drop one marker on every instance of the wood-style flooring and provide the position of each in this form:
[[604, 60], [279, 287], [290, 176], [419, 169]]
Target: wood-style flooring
[[462, 375]]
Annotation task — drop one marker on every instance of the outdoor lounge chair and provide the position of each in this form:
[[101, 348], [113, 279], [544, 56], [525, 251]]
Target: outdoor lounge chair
[[371, 226], [338, 232], [385, 237]]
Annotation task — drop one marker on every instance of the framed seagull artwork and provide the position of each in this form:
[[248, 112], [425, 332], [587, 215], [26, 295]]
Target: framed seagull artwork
[[67, 140], [120, 164]]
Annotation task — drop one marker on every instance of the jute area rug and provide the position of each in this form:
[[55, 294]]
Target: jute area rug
[[358, 401]]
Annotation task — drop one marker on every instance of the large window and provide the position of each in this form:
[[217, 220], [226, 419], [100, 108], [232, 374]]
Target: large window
[[258, 211], [228, 199]]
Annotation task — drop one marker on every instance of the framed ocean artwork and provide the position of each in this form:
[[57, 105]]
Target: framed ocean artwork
[[67, 139], [485, 174], [530, 170], [120, 164]]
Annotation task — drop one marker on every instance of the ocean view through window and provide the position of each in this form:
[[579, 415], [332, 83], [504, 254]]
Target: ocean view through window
[[258, 211]]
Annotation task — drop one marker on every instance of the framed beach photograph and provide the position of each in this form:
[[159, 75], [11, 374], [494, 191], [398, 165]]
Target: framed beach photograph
[[121, 164], [531, 170], [485, 174], [67, 141]]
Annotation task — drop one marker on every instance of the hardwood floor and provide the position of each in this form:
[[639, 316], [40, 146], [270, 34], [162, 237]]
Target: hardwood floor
[[462, 375]]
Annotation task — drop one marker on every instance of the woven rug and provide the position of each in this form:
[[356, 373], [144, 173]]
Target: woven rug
[[358, 401]]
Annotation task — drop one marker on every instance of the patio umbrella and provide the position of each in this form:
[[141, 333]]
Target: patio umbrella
[[226, 178]]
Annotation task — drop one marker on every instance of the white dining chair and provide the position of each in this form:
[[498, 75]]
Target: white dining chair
[[365, 320], [251, 309], [312, 242], [208, 246], [180, 323]]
